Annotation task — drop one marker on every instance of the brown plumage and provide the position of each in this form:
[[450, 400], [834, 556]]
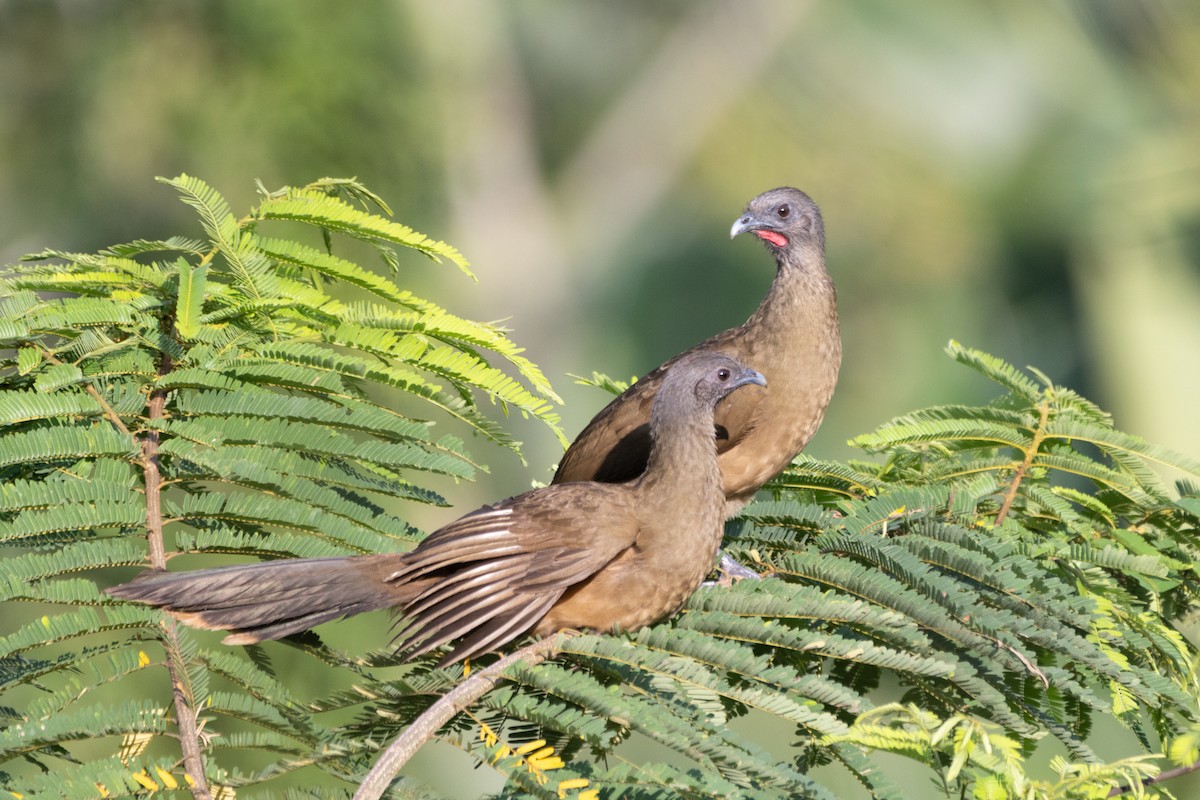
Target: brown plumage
[[583, 555], [792, 339]]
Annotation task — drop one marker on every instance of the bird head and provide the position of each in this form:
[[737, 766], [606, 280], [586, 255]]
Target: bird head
[[786, 219], [717, 375]]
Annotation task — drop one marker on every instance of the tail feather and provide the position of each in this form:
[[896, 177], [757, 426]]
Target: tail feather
[[273, 599]]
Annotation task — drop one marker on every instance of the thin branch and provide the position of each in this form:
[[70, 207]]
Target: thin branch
[[1159, 778], [186, 707], [153, 478], [1030, 454], [456, 700], [185, 704], [1029, 665], [186, 711], [109, 412]]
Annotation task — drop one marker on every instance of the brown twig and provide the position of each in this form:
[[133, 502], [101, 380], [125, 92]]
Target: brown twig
[[1159, 778], [1024, 659], [186, 707], [153, 479], [185, 704], [454, 701], [109, 412], [1038, 436], [186, 711]]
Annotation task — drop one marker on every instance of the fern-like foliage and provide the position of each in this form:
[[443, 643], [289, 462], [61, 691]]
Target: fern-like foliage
[[992, 581], [1005, 574], [239, 393]]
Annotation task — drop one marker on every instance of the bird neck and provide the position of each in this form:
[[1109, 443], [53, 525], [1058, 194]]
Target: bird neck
[[801, 296], [683, 460]]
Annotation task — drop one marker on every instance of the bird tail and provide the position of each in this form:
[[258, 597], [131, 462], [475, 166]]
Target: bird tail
[[272, 599]]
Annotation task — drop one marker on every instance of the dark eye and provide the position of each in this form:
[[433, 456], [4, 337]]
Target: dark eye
[[784, 211], [722, 374]]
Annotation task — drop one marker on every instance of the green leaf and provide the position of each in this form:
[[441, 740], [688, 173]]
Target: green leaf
[[28, 359], [57, 443], [191, 298], [25, 405], [315, 207], [997, 370], [58, 376]]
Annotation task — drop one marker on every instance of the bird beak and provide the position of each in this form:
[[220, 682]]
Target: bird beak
[[763, 230], [750, 376], [745, 223]]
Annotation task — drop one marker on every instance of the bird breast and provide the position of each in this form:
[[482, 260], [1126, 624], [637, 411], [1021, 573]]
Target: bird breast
[[673, 552]]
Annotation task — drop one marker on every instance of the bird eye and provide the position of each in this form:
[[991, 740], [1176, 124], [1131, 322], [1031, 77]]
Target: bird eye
[[722, 374], [783, 211]]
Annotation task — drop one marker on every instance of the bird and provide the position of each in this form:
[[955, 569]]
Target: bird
[[575, 556], [793, 338]]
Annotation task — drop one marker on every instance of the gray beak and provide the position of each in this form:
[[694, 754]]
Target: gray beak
[[744, 223], [751, 376]]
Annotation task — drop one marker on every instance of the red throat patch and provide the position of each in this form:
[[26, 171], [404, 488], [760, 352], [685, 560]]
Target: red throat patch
[[777, 239]]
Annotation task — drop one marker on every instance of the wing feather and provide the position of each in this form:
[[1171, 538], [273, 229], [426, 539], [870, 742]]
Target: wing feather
[[497, 632], [615, 445], [492, 575]]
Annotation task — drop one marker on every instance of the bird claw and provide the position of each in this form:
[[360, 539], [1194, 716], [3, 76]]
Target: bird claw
[[736, 571], [731, 572]]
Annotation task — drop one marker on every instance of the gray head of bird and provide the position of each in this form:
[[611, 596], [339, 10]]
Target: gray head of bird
[[786, 219], [710, 377]]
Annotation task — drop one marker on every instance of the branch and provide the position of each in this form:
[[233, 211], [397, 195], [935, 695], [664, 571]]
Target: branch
[[153, 480], [186, 711], [1038, 436], [186, 707], [109, 412], [432, 719], [185, 704], [1029, 665], [1159, 778]]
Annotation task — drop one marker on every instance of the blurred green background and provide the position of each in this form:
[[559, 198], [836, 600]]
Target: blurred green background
[[1023, 176]]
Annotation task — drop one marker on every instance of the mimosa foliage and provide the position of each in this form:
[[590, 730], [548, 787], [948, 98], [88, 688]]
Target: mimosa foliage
[[265, 396], [994, 580]]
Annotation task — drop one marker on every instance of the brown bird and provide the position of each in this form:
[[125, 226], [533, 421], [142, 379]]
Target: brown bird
[[580, 556], [792, 339]]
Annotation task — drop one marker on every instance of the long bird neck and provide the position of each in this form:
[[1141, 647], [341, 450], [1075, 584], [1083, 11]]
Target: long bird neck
[[683, 458], [801, 296]]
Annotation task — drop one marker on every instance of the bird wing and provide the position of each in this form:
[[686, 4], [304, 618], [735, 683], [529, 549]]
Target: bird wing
[[615, 445], [491, 575]]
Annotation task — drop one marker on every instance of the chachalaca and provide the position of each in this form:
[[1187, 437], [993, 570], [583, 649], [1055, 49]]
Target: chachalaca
[[792, 339], [592, 556]]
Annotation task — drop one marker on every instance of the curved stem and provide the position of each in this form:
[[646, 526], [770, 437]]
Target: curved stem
[[1166, 775], [1030, 454], [454, 701], [109, 412]]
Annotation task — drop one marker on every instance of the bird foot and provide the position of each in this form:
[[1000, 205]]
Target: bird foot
[[731, 572]]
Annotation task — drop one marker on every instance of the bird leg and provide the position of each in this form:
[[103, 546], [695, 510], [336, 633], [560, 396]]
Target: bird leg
[[736, 571], [731, 572]]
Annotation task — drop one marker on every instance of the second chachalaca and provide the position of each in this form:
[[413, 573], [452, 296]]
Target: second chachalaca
[[579, 556], [792, 339]]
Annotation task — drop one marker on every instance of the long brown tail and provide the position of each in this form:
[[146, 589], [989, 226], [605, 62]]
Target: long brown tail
[[273, 599]]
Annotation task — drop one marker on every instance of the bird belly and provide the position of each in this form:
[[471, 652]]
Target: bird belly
[[763, 452]]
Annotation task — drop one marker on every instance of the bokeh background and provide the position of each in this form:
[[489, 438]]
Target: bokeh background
[[1023, 176]]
